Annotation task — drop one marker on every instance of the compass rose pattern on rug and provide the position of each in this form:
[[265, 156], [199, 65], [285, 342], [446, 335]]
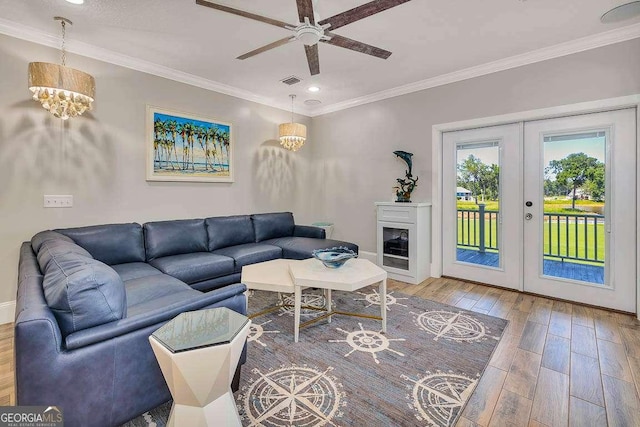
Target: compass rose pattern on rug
[[256, 331], [373, 298], [291, 396], [346, 373], [307, 299], [450, 325], [437, 398], [367, 342]]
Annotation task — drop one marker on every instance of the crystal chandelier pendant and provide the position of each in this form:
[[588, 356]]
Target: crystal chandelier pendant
[[63, 91], [292, 135]]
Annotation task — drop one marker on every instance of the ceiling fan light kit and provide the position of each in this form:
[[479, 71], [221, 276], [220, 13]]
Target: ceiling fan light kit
[[310, 33]]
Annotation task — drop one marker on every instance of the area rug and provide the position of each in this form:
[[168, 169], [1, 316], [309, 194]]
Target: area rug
[[421, 372]]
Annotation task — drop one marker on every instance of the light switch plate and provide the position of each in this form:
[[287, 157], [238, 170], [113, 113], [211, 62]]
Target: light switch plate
[[57, 201]]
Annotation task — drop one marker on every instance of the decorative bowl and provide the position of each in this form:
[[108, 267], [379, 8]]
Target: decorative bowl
[[334, 257]]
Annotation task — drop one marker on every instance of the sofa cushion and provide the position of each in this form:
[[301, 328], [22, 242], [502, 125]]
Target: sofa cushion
[[110, 243], [147, 288], [164, 238], [157, 310], [302, 247], [309, 231], [194, 267], [43, 236], [250, 253], [51, 248], [229, 231], [135, 270], [272, 225], [82, 292]]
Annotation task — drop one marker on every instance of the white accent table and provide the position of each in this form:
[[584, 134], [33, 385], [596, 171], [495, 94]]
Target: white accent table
[[198, 352], [273, 276], [353, 275]]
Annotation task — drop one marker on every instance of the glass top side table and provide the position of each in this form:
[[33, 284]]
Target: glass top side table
[[202, 328], [198, 352]]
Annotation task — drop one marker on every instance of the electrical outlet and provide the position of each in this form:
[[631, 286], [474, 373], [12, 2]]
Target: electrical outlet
[[58, 201]]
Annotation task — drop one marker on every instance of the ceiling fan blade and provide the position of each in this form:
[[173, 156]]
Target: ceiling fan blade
[[348, 43], [267, 47], [244, 14], [360, 12], [305, 9], [313, 59]]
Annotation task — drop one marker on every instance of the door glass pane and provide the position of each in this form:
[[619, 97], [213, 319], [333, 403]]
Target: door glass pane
[[478, 201], [395, 247], [574, 174]]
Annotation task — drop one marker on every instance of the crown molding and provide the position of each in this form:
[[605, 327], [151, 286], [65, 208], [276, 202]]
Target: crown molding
[[579, 45], [85, 49], [574, 46]]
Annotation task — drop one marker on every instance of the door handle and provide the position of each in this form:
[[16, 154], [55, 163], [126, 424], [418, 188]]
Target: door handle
[[528, 216]]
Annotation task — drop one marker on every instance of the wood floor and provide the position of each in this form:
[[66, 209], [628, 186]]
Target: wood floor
[[558, 364]]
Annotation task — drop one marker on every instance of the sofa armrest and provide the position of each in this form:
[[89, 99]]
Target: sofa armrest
[[309, 231], [165, 312]]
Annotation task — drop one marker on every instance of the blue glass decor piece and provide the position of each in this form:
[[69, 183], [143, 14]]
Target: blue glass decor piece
[[405, 186], [334, 257]]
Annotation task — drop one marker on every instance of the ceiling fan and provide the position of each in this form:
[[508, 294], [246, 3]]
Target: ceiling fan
[[310, 32]]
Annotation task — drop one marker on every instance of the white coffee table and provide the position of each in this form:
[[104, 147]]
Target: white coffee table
[[272, 276], [353, 275], [292, 276]]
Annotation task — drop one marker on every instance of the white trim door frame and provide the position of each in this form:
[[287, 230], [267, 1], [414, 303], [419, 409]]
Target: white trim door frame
[[632, 101]]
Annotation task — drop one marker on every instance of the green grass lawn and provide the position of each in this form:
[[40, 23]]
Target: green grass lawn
[[555, 246], [550, 206]]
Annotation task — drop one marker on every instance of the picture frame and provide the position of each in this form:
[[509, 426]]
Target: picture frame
[[186, 147]]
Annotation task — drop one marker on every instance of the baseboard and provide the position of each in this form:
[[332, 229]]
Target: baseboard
[[371, 256], [7, 312]]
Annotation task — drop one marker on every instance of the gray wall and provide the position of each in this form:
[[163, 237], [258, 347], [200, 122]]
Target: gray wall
[[345, 167], [100, 158], [355, 145]]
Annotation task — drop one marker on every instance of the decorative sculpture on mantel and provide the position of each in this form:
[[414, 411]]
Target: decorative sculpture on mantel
[[408, 184]]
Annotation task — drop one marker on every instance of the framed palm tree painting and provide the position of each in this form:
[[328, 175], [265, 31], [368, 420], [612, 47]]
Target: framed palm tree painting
[[184, 147]]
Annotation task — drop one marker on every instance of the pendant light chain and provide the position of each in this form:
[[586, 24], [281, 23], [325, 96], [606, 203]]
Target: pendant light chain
[[64, 51], [292, 98]]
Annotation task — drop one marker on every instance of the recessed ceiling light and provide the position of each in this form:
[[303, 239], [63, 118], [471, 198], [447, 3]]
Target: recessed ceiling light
[[76, 1], [621, 13], [313, 89]]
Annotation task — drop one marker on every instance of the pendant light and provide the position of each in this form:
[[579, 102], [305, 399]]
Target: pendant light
[[61, 90], [292, 135]]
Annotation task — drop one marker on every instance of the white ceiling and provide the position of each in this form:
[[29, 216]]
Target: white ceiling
[[429, 39]]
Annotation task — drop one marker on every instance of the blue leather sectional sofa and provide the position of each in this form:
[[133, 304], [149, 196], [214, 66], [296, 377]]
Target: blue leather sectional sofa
[[88, 299]]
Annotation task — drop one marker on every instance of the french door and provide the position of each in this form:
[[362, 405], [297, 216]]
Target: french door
[[545, 206], [481, 223], [586, 250]]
